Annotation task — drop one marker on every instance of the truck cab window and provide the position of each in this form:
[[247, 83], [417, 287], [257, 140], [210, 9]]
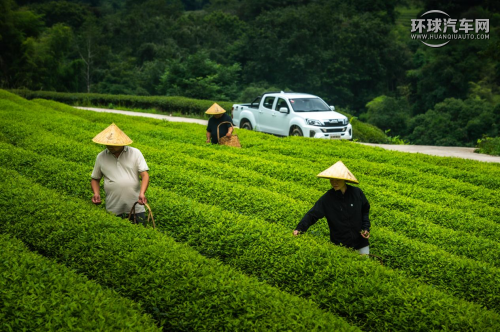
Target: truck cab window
[[281, 103], [309, 105], [268, 102]]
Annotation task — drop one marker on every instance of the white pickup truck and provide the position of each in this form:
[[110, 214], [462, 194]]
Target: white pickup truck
[[292, 114]]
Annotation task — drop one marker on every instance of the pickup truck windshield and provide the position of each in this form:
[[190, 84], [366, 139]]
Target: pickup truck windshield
[[309, 105]]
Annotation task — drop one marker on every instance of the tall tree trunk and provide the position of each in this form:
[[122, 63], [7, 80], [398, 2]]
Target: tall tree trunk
[[87, 59]]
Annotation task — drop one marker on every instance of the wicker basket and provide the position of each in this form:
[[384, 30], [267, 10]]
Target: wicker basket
[[229, 141], [150, 220]]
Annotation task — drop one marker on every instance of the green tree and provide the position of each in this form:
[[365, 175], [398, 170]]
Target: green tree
[[194, 4], [342, 55], [142, 29], [446, 72], [15, 27], [216, 32], [455, 122], [252, 91], [388, 113], [56, 12], [91, 51], [48, 64], [199, 77], [457, 7]]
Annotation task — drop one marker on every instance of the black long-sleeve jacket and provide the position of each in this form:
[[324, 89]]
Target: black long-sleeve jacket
[[213, 123], [347, 214]]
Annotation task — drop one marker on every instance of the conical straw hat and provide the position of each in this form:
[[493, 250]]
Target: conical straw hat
[[215, 109], [338, 171], [112, 136]]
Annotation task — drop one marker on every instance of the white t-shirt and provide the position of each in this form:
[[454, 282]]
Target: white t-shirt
[[121, 178]]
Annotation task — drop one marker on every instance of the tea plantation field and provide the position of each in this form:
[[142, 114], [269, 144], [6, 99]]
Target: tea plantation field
[[223, 257]]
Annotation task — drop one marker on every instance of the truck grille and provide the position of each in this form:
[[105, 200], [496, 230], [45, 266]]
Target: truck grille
[[333, 123], [333, 130]]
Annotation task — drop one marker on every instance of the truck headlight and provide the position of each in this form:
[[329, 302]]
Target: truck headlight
[[313, 122]]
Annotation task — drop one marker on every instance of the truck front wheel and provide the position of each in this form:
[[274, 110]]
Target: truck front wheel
[[246, 125], [296, 131]]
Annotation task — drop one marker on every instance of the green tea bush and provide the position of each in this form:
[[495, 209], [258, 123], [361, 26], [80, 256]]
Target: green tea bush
[[453, 239], [363, 132], [276, 259], [41, 295], [447, 216], [429, 169], [181, 289], [489, 145], [164, 104], [195, 224], [433, 165], [394, 257], [238, 183]]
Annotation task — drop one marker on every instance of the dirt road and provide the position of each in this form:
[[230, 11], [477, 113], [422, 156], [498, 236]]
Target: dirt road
[[147, 115], [442, 151]]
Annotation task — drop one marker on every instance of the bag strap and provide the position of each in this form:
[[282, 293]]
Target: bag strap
[[219, 126], [150, 214]]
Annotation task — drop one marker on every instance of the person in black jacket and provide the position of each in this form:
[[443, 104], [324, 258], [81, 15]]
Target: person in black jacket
[[346, 210], [219, 116]]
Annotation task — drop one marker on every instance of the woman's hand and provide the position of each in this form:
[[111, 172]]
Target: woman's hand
[[365, 234]]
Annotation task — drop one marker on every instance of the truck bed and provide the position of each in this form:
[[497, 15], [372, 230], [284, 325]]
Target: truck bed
[[249, 105]]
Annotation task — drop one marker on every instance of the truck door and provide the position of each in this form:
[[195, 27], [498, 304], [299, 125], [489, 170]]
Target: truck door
[[264, 119], [279, 121]]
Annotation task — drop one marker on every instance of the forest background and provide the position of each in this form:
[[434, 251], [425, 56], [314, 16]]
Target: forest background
[[357, 55]]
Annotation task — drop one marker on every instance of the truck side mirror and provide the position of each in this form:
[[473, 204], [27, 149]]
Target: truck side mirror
[[332, 107], [283, 109]]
